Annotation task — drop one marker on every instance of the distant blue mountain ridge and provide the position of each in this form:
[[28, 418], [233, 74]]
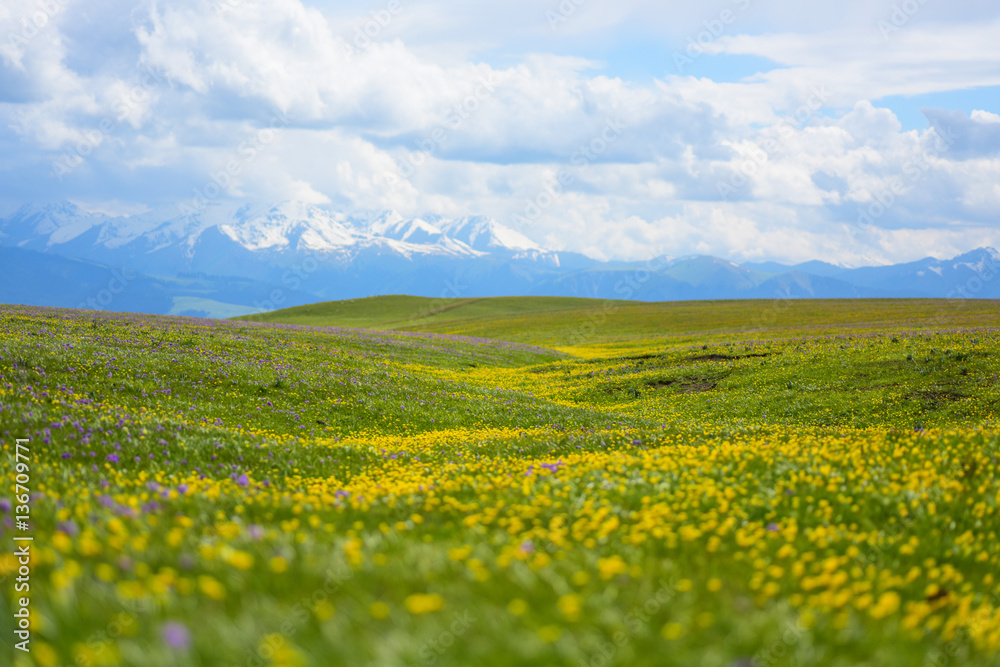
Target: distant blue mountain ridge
[[232, 259]]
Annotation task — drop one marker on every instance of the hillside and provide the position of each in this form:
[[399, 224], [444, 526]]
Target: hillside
[[314, 495], [575, 325]]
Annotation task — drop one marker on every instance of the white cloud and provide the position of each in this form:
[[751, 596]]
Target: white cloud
[[805, 148]]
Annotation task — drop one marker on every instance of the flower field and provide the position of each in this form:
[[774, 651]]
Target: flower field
[[208, 492]]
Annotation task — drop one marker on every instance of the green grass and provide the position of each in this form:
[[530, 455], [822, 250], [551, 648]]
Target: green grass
[[677, 484], [581, 323], [410, 312]]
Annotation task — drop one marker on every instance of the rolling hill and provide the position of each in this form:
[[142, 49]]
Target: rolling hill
[[252, 258]]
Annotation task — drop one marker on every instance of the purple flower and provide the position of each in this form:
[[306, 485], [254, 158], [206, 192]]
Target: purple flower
[[553, 467], [176, 635], [182, 489], [66, 455], [773, 527], [243, 480], [4, 505], [112, 457], [69, 527]]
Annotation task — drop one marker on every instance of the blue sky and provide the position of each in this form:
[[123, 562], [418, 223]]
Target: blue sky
[[748, 129]]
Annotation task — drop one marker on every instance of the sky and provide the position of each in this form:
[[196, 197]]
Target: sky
[[854, 132]]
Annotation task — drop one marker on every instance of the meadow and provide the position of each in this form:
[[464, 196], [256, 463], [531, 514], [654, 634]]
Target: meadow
[[508, 482]]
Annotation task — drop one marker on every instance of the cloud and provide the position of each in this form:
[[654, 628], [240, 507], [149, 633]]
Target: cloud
[[451, 109], [975, 136]]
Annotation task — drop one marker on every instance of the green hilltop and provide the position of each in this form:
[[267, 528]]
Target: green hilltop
[[567, 322]]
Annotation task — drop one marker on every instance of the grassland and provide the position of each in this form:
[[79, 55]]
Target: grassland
[[550, 482], [595, 327]]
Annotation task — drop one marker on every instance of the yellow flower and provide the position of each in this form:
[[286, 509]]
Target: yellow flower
[[323, 610], [423, 603], [459, 553], [549, 633], [131, 590], [609, 567], [211, 587], [887, 604], [379, 610], [241, 560], [672, 631], [44, 654], [61, 541], [517, 607], [287, 656], [570, 606], [8, 563]]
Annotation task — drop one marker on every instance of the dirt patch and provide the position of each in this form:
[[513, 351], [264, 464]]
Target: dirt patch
[[686, 385], [697, 387], [935, 398], [873, 387], [725, 357]]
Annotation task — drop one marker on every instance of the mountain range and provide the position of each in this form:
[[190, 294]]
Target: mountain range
[[228, 259]]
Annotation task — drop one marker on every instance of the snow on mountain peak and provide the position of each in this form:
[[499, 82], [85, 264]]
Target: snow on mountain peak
[[486, 234], [276, 226], [980, 260], [61, 221], [287, 224]]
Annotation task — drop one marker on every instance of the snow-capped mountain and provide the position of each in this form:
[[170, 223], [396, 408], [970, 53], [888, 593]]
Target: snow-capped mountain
[[40, 225], [231, 258], [209, 239]]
